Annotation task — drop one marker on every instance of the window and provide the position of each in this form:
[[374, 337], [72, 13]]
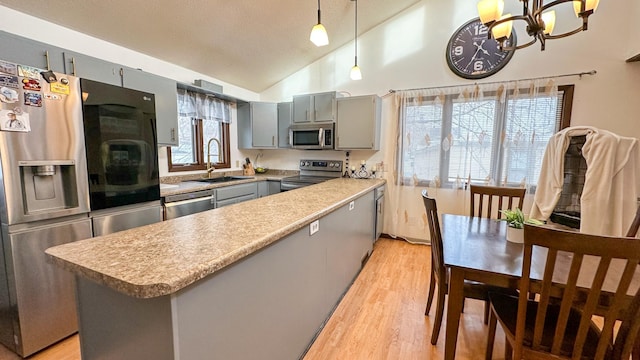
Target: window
[[201, 118], [496, 138]]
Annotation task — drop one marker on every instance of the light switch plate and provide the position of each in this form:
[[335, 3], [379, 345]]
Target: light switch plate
[[314, 227], [352, 205]]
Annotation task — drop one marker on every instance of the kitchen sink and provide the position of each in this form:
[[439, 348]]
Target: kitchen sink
[[224, 179]]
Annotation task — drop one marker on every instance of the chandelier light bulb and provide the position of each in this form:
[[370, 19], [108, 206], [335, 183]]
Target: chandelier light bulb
[[502, 31], [589, 5], [490, 10], [549, 19]]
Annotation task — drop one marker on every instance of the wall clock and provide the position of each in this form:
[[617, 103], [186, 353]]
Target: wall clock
[[472, 55]]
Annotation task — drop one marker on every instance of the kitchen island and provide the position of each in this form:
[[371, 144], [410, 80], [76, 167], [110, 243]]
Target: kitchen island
[[252, 280]]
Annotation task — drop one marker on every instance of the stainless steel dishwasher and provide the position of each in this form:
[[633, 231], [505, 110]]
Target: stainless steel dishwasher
[[189, 203]]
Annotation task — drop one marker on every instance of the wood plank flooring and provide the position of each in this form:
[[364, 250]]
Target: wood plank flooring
[[380, 317]]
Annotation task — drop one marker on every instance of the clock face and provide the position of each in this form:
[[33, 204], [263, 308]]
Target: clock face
[[472, 55]]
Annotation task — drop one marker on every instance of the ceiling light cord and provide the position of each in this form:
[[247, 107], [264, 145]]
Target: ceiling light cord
[[356, 74]]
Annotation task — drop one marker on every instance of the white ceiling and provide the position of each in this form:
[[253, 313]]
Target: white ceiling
[[249, 43]]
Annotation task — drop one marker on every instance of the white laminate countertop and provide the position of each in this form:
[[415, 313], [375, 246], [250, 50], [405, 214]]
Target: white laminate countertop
[[162, 258]]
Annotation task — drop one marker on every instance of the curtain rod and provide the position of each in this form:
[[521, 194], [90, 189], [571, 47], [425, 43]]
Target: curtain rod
[[580, 74]]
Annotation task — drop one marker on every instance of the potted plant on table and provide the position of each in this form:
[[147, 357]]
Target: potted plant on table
[[516, 220]]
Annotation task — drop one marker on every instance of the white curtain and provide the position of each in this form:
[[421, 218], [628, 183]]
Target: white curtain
[[203, 106], [495, 134]]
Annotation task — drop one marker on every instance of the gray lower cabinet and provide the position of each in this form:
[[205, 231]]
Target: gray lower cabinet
[[234, 194], [257, 125], [165, 91], [274, 186], [269, 305], [358, 123], [285, 119], [268, 187], [263, 189], [92, 68]]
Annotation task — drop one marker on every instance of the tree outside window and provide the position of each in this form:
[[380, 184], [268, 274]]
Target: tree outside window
[[496, 138]]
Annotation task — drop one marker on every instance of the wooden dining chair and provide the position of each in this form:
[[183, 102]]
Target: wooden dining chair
[[440, 274], [559, 325], [635, 225], [496, 198]]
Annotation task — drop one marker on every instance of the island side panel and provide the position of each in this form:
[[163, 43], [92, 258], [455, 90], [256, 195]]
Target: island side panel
[[116, 326], [272, 304], [348, 244], [266, 306]]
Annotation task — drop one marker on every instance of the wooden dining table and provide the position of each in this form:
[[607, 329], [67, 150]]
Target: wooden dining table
[[476, 249]]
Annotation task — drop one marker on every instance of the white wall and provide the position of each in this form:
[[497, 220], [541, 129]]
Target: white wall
[[408, 51]]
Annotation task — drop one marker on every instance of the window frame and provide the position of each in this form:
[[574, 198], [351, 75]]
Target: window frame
[[200, 151], [497, 157]]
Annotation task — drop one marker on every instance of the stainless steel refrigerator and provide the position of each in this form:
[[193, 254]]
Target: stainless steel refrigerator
[[44, 201]]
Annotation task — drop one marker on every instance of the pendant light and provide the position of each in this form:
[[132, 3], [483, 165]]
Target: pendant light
[[355, 70], [318, 33]]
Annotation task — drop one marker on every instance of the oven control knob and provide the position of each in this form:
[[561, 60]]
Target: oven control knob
[[307, 163]]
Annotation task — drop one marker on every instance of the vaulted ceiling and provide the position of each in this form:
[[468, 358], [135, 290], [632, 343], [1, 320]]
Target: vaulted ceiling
[[249, 43]]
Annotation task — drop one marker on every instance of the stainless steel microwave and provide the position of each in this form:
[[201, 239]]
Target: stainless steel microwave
[[312, 136]]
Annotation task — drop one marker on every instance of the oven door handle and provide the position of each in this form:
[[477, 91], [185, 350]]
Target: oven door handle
[[321, 137]]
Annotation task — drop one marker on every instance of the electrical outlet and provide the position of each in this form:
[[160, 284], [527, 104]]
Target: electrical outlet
[[237, 163], [352, 205], [314, 227]]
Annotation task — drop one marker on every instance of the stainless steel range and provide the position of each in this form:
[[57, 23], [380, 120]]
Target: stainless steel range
[[313, 172]]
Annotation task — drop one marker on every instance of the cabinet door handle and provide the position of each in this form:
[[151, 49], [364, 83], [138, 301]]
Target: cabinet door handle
[[73, 66], [46, 56], [273, 141], [173, 134]]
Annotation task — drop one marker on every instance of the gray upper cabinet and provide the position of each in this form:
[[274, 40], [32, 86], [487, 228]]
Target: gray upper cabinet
[[285, 117], [257, 125], [358, 123], [91, 68], [319, 107], [29, 52], [165, 91]]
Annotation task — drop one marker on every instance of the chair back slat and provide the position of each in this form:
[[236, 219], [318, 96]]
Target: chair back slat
[[591, 303], [591, 257], [493, 195], [435, 234], [635, 225], [545, 294], [566, 303], [629, 331]]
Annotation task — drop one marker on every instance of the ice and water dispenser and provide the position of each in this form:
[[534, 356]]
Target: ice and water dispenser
[[48, 186]]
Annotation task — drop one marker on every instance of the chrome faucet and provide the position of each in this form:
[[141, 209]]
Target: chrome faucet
[[210, 167]]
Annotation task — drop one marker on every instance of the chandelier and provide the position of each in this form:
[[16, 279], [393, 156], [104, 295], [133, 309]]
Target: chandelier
[[539, 17]]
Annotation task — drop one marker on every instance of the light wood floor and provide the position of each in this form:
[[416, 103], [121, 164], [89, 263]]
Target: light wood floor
[[380, 317]]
